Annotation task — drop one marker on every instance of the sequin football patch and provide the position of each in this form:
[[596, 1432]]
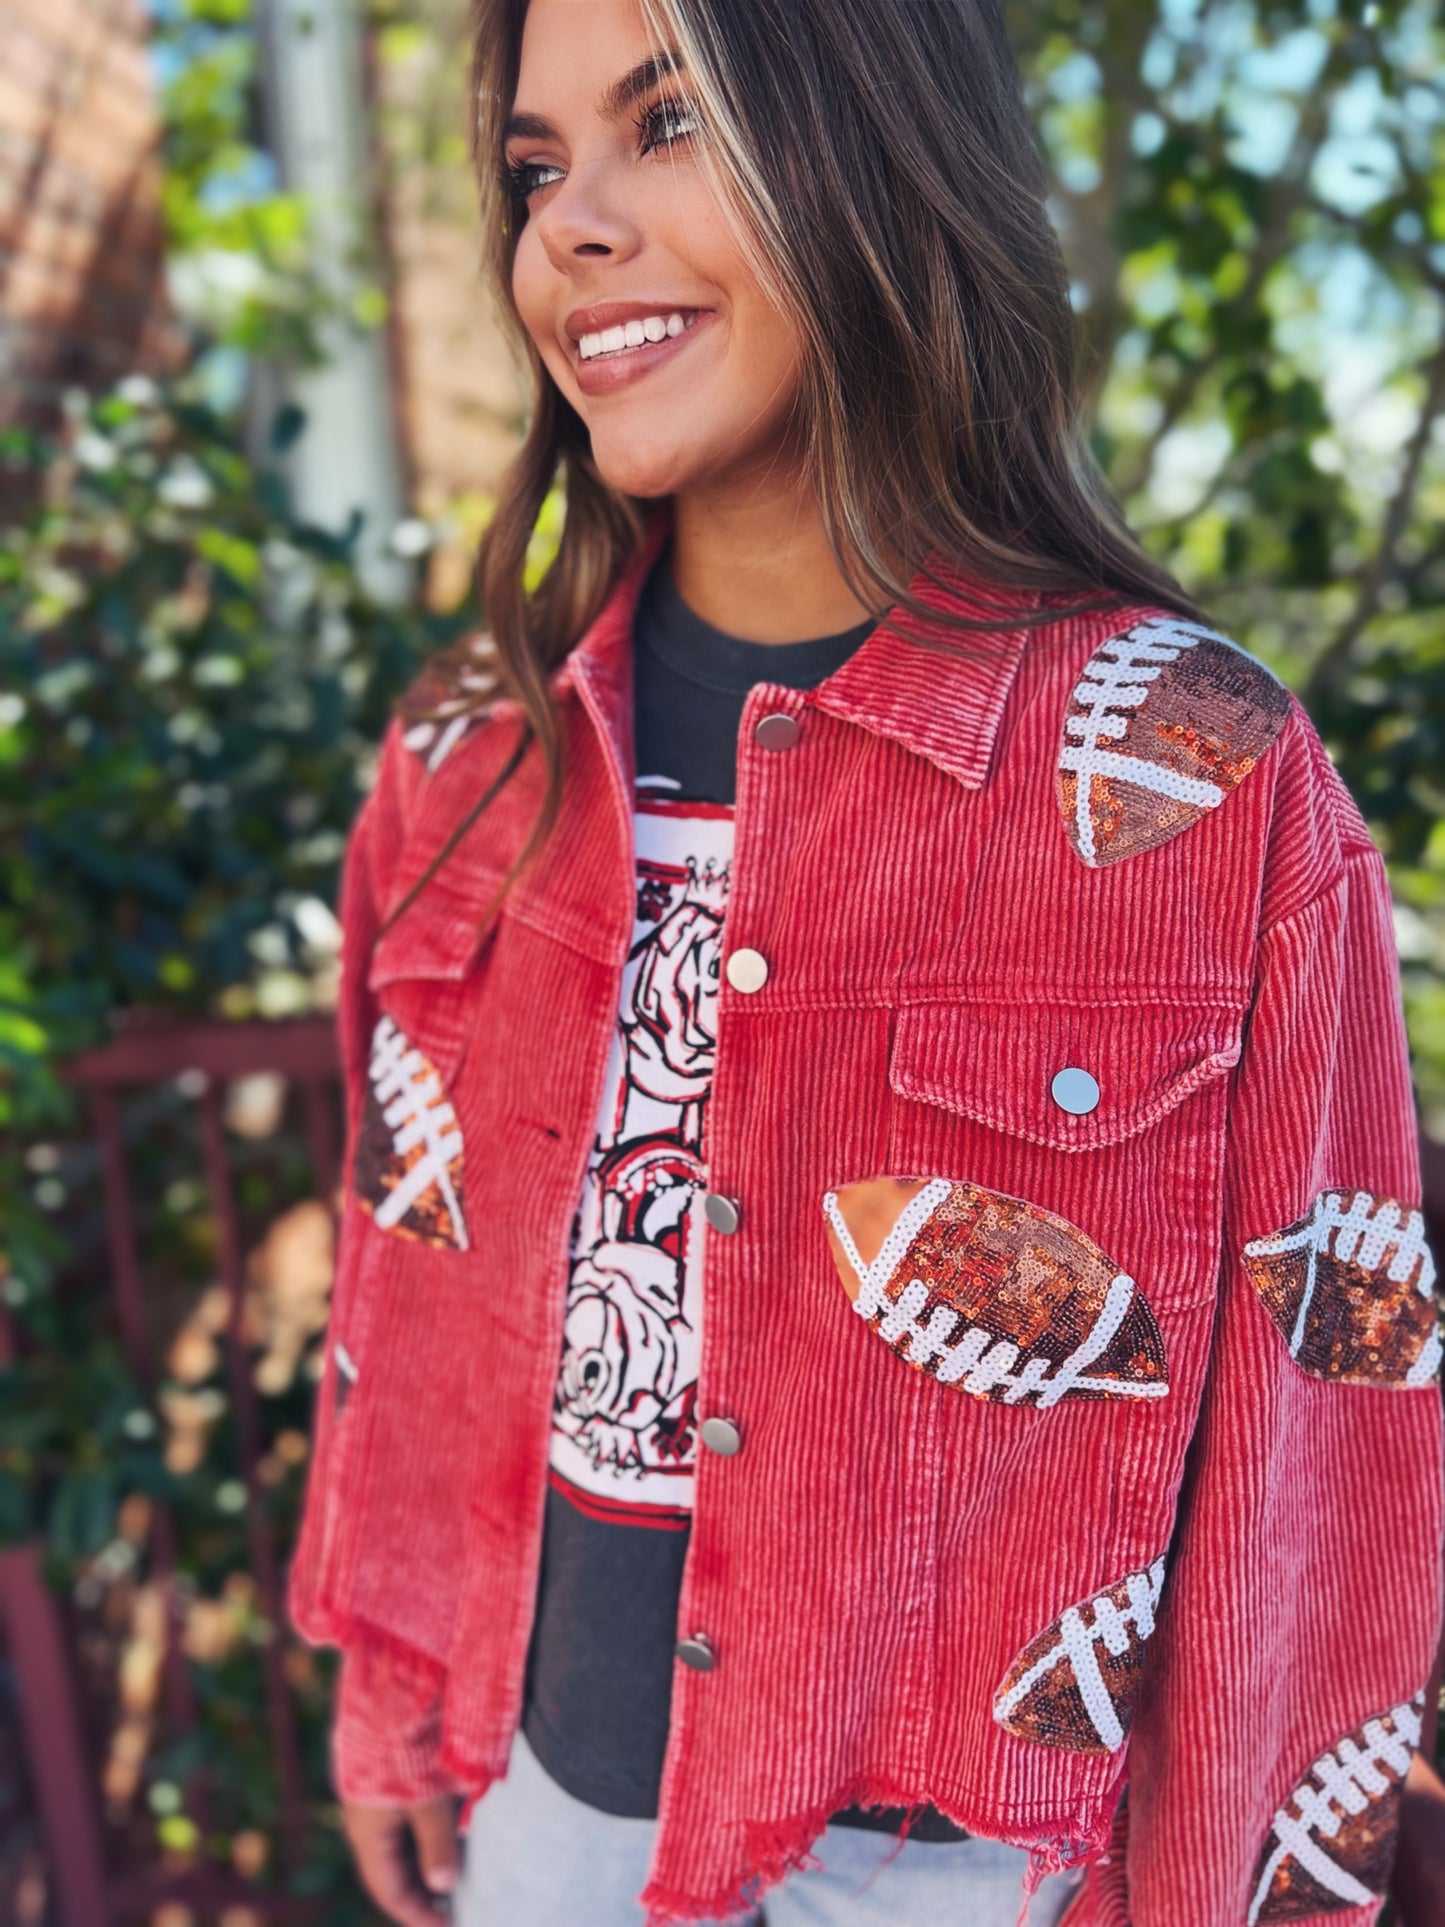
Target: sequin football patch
[[1075, 1686], [458, 702], [1351, 1288], [1332, 1844], [1165, 721], [409, 1150], [991, 1294]]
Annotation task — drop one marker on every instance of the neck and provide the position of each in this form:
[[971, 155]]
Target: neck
[[751, 557]]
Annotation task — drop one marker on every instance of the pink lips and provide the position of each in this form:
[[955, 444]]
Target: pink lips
[[609, 372]]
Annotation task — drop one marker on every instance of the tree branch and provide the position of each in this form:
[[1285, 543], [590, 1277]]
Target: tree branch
[[1291, 194], [1383, 565]]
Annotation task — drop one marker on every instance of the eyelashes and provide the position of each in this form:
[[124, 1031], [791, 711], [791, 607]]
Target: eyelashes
[[680, 116], [520, 177], [661, 125]]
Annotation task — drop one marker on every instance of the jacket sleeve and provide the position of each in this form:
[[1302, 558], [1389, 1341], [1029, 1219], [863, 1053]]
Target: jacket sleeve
[[386, 1738], [386, 1733], [1302, 1606]]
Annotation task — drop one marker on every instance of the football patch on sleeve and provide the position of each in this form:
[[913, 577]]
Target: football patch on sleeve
[[1076, 1684], [1332, 1844], [1164, 722], [409, 1149], [992, 1294], [1351, 1287]]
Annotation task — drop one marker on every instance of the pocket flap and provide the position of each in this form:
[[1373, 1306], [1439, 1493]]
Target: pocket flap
[[1000, 1064], [436, 938]]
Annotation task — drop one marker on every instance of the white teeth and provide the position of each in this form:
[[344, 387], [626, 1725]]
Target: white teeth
[[635, 334]]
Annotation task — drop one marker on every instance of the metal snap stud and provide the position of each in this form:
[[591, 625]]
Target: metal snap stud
[[1074, 1090], [778, 731], [747, 970]]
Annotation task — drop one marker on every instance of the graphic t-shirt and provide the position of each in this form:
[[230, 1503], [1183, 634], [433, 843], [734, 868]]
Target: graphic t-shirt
[[624, 1438]]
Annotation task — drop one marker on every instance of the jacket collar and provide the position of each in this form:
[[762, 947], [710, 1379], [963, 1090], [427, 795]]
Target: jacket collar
[[942, 697]]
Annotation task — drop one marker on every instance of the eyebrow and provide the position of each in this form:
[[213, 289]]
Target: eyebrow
[[638, 81]]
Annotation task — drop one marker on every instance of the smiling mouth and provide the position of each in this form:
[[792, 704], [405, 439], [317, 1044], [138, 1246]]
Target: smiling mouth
[[625, 339]]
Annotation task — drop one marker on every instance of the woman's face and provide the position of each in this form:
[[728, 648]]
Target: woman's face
[[622, 232]]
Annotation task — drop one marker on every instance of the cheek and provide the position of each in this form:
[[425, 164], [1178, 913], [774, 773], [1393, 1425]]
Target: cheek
[[769, 363], [532, 290], [767, 353]]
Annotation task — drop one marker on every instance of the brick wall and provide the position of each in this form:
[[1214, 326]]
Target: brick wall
[[81, 268], [80, 244]]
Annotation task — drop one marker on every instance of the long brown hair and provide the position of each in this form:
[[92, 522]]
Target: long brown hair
[[880, 167]]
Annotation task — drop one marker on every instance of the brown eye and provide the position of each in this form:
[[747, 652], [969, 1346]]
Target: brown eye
[[668, 121], [522, 176]]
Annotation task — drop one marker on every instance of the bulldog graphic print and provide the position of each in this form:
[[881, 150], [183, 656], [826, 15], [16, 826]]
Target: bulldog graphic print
[[623, 1440]]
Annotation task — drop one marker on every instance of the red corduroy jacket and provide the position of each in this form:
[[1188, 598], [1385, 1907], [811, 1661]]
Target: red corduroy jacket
[[1077, 1320]]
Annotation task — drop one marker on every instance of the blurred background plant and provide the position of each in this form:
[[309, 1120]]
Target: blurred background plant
[[198, 663], [194, 684]]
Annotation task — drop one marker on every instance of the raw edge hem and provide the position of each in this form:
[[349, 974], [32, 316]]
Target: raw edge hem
[[775, 1849]]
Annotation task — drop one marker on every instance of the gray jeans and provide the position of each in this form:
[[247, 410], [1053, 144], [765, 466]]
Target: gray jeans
[[536, 1857]]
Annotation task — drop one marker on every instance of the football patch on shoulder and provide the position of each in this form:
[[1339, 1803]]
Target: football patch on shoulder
[[1164, 722], [458, 702], [409, 1148], [1075, 1686], [1331, 1847], [992, 1294], [1351, 1287]]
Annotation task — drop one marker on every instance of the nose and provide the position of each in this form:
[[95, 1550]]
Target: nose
[[586, 217]]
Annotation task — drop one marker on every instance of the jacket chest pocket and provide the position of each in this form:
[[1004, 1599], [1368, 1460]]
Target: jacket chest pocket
[[1052, 1194], [1063, 1076]]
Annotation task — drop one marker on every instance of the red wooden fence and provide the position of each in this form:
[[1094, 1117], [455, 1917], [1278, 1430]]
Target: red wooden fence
[[304, 1052]]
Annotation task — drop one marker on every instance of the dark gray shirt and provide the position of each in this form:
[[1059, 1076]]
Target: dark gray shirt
[[599, 1676]]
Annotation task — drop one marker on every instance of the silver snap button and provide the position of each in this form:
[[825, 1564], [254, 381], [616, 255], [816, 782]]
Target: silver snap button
[[697, 1653], [747, 969], [721, 1435], [721, 1213], [1074, 1090], [778, 731]]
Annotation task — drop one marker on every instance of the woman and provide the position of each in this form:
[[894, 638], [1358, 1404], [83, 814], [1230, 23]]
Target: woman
[[881, 1286]]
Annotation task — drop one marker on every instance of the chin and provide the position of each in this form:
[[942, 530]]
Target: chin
[[649, 474]]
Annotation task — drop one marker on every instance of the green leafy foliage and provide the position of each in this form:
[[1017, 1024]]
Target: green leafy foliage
[[194, 686], [243, 265]]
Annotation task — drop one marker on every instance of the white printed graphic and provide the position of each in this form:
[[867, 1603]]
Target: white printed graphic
[[624, 1420]]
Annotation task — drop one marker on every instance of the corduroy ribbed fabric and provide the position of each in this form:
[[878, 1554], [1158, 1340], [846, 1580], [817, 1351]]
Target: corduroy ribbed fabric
[[886, 1545]]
